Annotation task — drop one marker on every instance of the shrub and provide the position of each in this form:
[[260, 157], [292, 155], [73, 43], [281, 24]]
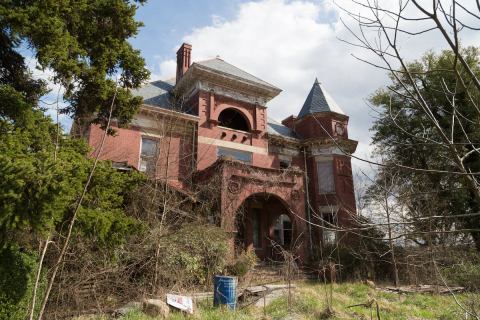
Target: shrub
[[465, 274], [244, 263], [193, 254], [17, 279]]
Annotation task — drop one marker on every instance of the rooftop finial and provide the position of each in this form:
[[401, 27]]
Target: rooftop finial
[[316, 81]]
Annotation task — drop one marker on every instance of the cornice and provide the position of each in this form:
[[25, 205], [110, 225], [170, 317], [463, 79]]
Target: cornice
[[195, 73], [346, 145]]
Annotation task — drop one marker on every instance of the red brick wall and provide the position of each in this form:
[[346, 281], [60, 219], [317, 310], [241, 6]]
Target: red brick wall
[[210, 105], [124, 146], [320, 125], [175, 160]]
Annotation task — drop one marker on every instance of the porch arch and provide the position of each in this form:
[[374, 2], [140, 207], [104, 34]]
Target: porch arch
[[257, 225], [241, 182]]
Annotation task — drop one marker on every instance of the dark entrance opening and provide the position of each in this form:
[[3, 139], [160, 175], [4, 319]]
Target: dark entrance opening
[[264, 224]]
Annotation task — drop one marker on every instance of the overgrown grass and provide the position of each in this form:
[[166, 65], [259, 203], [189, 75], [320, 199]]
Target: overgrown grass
[[309, 303]]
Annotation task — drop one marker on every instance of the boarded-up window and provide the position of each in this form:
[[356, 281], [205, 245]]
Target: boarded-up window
[[326, 182]]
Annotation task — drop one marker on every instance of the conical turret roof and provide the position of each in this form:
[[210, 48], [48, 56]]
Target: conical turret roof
[[319, 100]]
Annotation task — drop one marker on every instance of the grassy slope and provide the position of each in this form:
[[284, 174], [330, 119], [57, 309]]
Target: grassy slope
[[309, 303]]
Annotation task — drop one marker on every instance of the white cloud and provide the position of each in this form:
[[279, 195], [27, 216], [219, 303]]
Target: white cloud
[[289, 43], [286, 44]]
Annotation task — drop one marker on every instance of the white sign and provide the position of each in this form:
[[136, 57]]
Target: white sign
[[180, 302]]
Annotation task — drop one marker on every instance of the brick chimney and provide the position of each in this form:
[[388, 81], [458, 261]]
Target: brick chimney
[[183, 60]]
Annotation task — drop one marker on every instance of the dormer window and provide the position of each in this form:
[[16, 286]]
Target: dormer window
[[233, 119]]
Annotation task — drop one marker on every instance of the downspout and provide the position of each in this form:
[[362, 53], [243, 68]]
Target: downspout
[[194, 149], [307, 199]]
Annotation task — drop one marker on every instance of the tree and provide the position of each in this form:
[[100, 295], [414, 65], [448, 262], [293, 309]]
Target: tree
[[404, 135], [40, 182], [85, 44], [39, 187]]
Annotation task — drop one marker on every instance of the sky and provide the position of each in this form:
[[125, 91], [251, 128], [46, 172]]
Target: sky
[[286, 43]]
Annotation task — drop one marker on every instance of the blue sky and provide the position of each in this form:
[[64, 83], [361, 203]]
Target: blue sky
[[168, 21]]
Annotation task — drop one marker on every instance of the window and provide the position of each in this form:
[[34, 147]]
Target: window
[[326, 182], [283, 230], [239, 155], [329, 237], [148, 155], [233, 119], [285, 164], [329, 221]]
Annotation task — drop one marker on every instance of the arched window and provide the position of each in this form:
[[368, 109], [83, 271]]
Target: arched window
[[233, 119]]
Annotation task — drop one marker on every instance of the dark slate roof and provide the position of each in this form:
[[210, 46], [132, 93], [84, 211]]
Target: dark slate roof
[[276, 128], [221, 66], [318, 100], [158, 94]]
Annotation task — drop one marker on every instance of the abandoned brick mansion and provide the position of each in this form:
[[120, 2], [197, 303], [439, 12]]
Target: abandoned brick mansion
[[212, 120]]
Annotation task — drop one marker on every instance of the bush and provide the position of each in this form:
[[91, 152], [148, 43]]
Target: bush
[[193, 254], [466, 274], [17, 279], [244, 263]]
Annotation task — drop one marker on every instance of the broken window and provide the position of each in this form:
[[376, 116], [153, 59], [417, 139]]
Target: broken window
[[239, 155], [233, 119], [148, 154], [329, 221], [326, 182]]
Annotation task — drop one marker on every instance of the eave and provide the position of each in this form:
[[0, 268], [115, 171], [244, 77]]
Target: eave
[[177, 114], [198, 72], [347, 145]]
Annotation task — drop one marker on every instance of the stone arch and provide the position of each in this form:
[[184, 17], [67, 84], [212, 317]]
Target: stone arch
[[240, 182], [256, 229], [245, 116]]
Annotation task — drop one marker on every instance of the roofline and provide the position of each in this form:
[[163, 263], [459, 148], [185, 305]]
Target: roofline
[[269, 86], [285, 138], [321, 114], [269, 91], [162, 110]]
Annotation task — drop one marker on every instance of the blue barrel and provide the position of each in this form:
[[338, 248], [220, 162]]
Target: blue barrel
[[225, 291]]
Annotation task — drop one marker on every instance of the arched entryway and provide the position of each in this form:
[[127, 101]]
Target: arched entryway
[[265, 224]]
